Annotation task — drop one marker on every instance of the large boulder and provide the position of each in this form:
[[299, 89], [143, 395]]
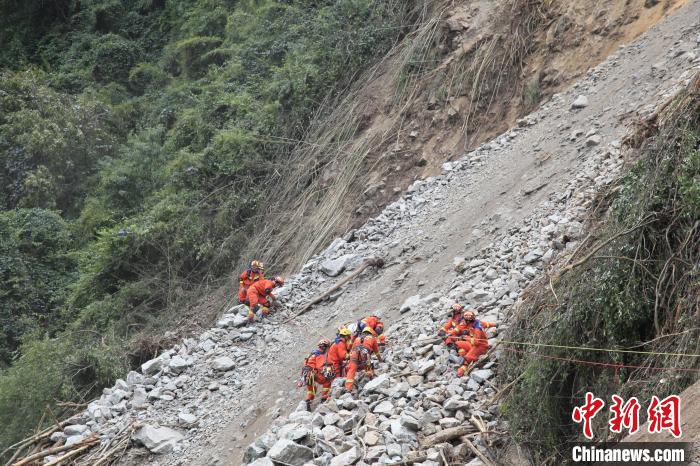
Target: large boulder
[[233, 320], [152, 367], [334, 267], [288, 452], [157, 439], [377, 384]]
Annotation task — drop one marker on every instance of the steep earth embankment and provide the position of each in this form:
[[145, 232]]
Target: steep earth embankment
[[509, 209]]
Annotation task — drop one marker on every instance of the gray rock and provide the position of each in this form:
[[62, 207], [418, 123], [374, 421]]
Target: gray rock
[[233, 320], [580, 102], [179, 364], [134, 378], [254, 452], [334, 267], [120, 384], [186, 419], [481, 375], [157, 439], [152, 367], [384, 407], [262, 462], [594, 140], [288, 452], [410, 422], [459, 264], [448, 422], [532, 257], [377, 384], [139, 398], [223, 364], [425, 367], [455, 403], [414, 380], [293, 431], [76, 429], [347, 458], [331, 433], [410, 303], [400, 432], [73, 439]]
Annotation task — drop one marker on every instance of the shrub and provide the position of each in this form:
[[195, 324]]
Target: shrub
[[190, 53], [145, 77], [113, 58]]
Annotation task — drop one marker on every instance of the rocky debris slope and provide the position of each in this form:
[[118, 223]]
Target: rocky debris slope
[[417, 409], [179, 401]]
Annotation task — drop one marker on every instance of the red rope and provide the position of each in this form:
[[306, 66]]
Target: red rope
[[615, 365]]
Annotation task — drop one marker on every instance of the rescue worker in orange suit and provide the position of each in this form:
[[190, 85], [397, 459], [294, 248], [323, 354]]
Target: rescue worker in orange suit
[[375, 323], [249, 276], [339, 351], [475, 343], [318, 369], [260, 295], [455, 326], [361, 356]]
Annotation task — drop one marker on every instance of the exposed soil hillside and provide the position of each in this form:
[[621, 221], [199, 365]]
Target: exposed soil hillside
[[426, 103]]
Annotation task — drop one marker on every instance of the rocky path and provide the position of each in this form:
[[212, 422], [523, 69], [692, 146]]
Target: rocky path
[[477, 234]]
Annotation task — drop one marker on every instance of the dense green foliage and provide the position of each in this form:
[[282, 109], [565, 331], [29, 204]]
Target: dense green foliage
[[139, 142], [641, 291]]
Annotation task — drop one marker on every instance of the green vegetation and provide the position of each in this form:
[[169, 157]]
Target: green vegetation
[[140, 142], [640, 291]]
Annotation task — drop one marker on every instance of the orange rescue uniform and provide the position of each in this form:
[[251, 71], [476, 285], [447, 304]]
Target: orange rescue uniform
[[454, 328], [338, 353], [360, 356], [375, 324], [474, 344], [314, 365], [258, 293], [247, 278]]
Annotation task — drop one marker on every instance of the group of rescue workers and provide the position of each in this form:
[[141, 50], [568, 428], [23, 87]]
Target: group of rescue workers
[[350, 353]]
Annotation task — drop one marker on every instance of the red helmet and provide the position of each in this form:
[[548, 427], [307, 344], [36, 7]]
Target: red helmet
[[469, 316], [279, 281], [324, 343], [456, 309]]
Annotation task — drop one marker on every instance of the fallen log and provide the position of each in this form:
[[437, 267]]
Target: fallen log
[[67, 456], [369, 262], [446, 435], [51, 451]]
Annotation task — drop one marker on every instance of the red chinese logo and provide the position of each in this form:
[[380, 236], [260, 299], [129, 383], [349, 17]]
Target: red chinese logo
[[587, 412], [624, 415], [665, 415]]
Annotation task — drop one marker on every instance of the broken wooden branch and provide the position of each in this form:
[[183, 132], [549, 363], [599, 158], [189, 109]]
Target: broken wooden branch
[[446, 435], [369, 262], [52, 451], [485, 459]]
